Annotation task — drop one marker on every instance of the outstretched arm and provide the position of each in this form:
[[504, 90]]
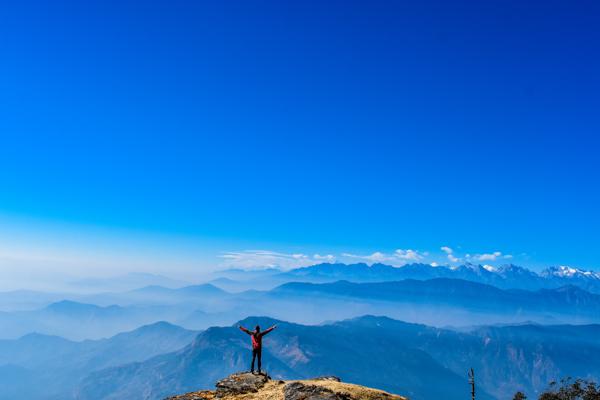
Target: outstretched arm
[[268, 330], [245, 330]]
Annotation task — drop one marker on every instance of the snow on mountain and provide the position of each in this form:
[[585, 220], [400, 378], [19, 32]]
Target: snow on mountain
[[508, 276], [564, 271]]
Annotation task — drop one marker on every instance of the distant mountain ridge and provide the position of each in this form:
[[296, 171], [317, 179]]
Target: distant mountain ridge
[[128, 281], [50, 367], [460, 294], [508, 276], [74, 320], [468, 295]]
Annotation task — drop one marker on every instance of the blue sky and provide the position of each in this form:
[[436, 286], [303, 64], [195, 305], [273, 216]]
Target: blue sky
[[198, 129]]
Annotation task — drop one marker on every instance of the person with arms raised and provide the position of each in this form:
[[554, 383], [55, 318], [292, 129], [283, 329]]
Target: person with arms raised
[[256, 337]]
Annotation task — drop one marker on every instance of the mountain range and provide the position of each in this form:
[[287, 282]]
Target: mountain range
[[50, 367], [446, 292], [437, 302], [95, 316], [415, 360], [78, 321], [456, 318], [130, 281], [506, 277]]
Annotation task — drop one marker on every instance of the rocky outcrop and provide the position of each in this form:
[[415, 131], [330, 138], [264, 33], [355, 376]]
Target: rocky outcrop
[[249, 386], [301, 391], [240, 384]]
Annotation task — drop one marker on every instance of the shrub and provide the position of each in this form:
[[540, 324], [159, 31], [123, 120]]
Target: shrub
[[570, 389], [519, 396]]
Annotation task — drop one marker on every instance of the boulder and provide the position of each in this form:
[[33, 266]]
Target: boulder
[[241, 383], [301, 391]]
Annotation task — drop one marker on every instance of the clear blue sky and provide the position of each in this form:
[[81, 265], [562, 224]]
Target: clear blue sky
[[326, 127]]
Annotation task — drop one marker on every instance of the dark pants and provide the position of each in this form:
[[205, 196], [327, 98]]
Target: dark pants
[[256, 353]]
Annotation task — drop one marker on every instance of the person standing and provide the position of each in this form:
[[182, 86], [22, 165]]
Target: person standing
[[256, 337]]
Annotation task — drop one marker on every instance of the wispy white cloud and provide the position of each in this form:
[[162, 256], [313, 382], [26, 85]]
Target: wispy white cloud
[[397, 258], [409, 255], [450, 254], [251, 259], [376, 257], [489, 256], [452, 258], [325, 258], [446, 249]]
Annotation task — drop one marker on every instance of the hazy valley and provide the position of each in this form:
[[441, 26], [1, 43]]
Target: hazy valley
[[517, 338]]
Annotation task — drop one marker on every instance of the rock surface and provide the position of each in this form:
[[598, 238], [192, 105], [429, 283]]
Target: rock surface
[[240, 384], [247, 386], [327, 378], [300, 391]]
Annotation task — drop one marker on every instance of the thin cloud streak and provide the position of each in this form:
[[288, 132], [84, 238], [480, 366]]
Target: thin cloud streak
[[257, 259]]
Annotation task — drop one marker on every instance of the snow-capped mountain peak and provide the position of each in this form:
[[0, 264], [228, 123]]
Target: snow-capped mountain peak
[[564, 271]]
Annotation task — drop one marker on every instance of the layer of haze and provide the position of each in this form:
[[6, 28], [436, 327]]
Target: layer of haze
[[158, 136]]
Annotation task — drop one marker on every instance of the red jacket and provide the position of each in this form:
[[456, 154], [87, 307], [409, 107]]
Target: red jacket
[[256, 336]]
